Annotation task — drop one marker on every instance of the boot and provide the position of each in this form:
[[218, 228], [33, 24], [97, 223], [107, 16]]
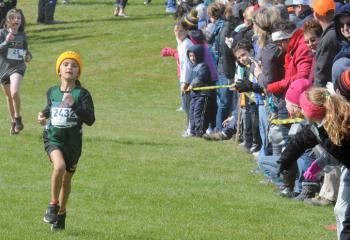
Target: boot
[[308, 190]]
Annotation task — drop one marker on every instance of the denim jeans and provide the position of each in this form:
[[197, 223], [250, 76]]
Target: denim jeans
[[342, 200], [269, 167], [304, 163], [263, 125], [186, 100], [170, 4], [46, 10], [121, 3], [224, 102], [345, 234]]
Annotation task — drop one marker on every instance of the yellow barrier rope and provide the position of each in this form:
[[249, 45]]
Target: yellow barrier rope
[[286, 121], [212, 87]]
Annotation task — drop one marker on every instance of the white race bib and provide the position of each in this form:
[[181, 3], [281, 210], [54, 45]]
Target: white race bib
[[62, 117], [16, 54]]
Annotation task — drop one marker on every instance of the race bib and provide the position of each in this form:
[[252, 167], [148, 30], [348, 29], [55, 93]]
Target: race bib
[[16, 54], [62, 117]]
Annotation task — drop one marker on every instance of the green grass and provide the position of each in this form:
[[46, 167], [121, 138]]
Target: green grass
[[137, 178]]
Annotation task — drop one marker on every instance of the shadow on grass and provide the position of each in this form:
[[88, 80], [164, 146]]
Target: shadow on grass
[[65, 24], [128, 142], [111, 3], [53, 29], [58, 38]]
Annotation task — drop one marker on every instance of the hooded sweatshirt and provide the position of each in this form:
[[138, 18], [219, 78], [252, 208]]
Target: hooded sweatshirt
[[199, 74]]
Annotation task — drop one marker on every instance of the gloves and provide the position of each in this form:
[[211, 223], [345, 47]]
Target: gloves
[[167, 52], [257, 88], [243, 85], [312, 171]]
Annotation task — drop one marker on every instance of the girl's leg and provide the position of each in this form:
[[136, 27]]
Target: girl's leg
[[60, 224], [59, 168], [15, 84], [117, 8], [122, 5], [65, 190], [7, 92]]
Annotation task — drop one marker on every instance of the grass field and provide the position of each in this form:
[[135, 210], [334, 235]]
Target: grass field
[[137, 178]]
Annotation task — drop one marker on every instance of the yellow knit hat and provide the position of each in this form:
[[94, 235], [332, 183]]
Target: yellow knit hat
[[69, 55]]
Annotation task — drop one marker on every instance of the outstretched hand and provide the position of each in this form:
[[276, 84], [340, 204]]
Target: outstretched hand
[[41, 119]]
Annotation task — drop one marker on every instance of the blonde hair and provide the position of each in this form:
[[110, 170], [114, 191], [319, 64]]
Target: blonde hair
[[248, 14], [337, 119], [263, 20]]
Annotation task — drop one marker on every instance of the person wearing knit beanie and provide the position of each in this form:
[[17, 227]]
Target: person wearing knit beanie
[[342, 84], [339, 66], [69, 55], [69, 106], [191, 19], [295, 89], [293, 95]]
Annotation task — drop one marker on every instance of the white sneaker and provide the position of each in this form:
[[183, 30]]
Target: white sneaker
[[65, 1], [256, 155], [209, 131]]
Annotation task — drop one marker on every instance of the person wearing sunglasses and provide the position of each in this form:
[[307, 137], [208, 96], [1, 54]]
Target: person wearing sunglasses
[[342, 26]]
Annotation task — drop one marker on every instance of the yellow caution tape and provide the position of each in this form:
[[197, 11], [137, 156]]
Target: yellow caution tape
[[286, 121], [212, 87]]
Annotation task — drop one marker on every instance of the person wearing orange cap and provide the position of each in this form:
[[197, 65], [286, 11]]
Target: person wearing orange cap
[[328, 46], [69, 106]]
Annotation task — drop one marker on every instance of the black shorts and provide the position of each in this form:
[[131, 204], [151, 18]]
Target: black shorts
[[71, 165], [5, 80]]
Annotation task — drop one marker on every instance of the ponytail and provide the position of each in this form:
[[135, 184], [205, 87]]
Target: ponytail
[[336, 121]]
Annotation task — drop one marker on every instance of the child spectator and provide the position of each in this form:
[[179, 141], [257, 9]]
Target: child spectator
[[13, 55], [246, 84], [201, 100], [69, 105], [184, 43], [329, 116]]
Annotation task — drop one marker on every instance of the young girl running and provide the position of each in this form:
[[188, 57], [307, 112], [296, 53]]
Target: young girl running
[[69, 105], [13, 55]]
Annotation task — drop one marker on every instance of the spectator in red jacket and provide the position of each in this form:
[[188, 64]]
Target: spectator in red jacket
[[298, 58]]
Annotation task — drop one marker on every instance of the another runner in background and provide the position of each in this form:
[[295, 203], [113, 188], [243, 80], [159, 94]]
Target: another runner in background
[[13, 55]]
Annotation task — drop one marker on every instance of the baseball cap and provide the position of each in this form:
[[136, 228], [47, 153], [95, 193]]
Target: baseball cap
[[301, 2]]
